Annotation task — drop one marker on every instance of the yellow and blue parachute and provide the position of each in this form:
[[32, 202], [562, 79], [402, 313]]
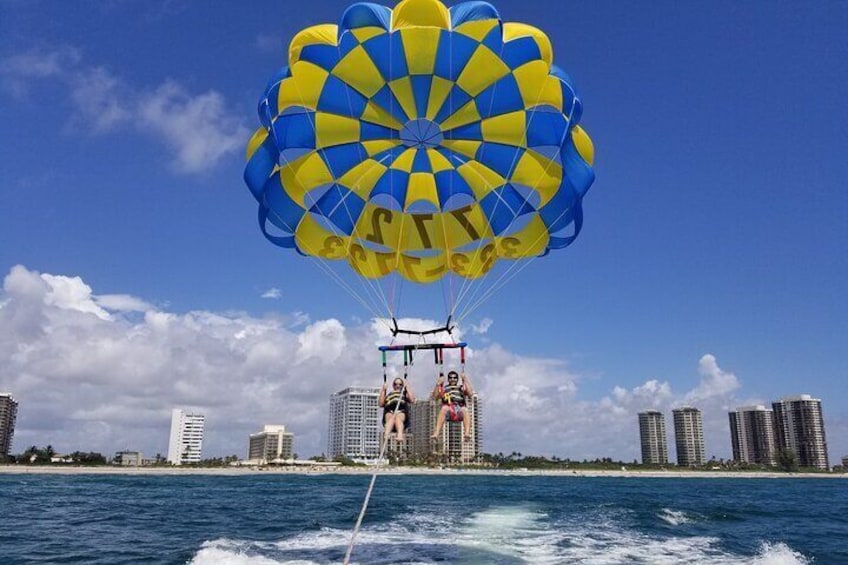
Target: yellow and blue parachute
[[422, 141]]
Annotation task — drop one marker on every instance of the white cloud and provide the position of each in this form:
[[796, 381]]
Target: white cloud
[[122, 303], [70, 293], [40, 64], [91, 375], [714, 381], [198, 129], [272, 293], [482, 327]]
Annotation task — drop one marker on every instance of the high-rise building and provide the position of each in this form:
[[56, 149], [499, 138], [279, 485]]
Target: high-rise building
[[273, 442], [186, 442], [799, 428], [653, 438], [354, 428], [450, 445], [752, 435], [689, 436], [8, 416]]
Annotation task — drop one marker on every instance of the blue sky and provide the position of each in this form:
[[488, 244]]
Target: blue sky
[[712, 261]]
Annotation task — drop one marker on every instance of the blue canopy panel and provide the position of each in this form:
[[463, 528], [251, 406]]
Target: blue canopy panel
[[520, 51], [295, 130], [471, 12], [457, 98], [386, 100], [260, 166], [502, 97], [571, 105], [342, 158], [503, 206], [339, 98], [386, 51], [565, 209], [341, 206], [365, 14], [545, 128], [500, 158], [271, 93], [390, 190], [454, 193], [455, 50]]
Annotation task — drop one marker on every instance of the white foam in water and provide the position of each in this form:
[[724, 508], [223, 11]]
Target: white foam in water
[[518, 533], [674, 517], [779, 554], [511, 531], [230, 552]]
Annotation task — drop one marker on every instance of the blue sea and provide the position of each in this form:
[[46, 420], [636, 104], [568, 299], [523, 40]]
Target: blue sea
[[304, 519]]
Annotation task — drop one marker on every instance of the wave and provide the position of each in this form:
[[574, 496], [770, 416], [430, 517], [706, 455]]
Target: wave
[[674, 517], [506, 535], [779, 554]]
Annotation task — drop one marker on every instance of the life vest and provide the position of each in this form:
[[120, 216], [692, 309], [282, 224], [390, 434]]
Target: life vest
[[394, 400], [453, 394]]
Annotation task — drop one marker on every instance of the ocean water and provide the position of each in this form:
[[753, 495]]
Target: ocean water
[[305, 519]]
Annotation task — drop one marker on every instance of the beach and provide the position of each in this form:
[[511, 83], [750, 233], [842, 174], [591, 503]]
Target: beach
[[392, 470]]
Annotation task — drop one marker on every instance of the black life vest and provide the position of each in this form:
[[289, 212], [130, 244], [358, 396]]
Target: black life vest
[[453, 394], [394, 400]]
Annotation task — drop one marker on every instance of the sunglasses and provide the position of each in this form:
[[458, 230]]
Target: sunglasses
[[397, 385]]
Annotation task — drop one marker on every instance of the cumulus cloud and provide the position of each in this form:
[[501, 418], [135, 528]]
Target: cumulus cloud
[[198, 129], [102, 371]]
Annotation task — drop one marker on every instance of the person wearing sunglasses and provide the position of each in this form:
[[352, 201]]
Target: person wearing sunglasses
[[395, 404], [453, 396]]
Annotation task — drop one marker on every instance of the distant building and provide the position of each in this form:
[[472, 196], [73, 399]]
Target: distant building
[[449, 448], [845, 462], [799, 427], [689, 437], [272, 443], [129, 459], [752, 435], [652, 436], [354, 424], [186, 441], [8, 416]]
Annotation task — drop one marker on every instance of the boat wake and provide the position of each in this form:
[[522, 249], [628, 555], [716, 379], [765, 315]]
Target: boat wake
[[501, 535]]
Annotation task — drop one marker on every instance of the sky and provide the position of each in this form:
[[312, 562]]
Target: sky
[[711, 270]]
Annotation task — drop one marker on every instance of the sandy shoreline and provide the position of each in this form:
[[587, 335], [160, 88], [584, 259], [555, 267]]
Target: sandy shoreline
[[318, 470]]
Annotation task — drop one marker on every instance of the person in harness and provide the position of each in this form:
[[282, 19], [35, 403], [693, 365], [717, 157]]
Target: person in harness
[[453, 397], [395, 404]]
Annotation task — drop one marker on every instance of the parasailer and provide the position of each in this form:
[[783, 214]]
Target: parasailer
[[452, 397], [420, 144], [395, 404]]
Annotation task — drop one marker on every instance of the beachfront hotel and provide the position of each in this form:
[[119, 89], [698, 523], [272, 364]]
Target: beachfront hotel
[[752, 435], [354, 428], [799, 427], [652, 436], [689, 436], [186, 441], [450, 445], [8, 416], [273, 443]]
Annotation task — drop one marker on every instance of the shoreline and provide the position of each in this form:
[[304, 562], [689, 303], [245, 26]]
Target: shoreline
[[321, 470]]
